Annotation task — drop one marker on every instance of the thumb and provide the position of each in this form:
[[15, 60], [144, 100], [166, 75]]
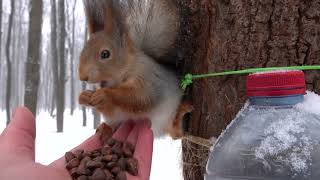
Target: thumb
[[19, 136]]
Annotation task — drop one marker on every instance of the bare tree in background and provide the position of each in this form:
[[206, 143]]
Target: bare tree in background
[[84, 113], [16, 60], [20, 56], [83, 84], [23, 48], [72, 52], [33, 57], [96, 118], [0, 37], [61, 58], [8, 44], [54, 56], [1, 12]]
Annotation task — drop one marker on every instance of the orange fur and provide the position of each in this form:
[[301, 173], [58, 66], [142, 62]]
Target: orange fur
[[136, 85], [175, 129]]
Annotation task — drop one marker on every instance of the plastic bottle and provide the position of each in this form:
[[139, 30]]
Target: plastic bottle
[[272, 138]]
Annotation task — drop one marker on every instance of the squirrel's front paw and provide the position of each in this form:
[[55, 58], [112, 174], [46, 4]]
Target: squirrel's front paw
[[99, 99], [85, 97]]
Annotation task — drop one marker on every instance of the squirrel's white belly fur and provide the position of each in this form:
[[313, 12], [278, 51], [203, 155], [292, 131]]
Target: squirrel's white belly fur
[[139, 34], [160, 116], [167, 103]]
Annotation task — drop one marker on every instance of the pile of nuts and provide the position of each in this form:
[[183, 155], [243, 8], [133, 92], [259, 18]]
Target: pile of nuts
[[108, 163]]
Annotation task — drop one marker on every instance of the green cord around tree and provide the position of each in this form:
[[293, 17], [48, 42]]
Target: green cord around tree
[[188, 78]]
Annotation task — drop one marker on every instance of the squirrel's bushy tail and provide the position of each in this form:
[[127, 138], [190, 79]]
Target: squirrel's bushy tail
[[154, 25]]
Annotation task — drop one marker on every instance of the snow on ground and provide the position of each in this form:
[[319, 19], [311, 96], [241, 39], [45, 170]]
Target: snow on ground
[[51, 145]]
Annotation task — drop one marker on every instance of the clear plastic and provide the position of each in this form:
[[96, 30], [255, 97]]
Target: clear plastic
[[268, 140]]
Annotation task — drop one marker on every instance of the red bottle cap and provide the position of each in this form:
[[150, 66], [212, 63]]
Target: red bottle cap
[[277, 83]]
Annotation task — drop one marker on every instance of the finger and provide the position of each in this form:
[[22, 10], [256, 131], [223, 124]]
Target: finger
[[19, 136], [84, 102], [90, 144], [84, 98], [94, 142], [143, 152], [34, 171], [97, 100], [124, 130], [133, 136], [88, 92]]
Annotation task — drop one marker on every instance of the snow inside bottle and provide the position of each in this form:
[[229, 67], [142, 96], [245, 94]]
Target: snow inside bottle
[[274, 137]]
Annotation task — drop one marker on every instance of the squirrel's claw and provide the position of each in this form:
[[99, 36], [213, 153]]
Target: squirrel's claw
[[98, 98], [85, 97]]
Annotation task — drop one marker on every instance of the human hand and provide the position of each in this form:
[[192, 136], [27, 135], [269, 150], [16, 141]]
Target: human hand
[[17, 150], [141, 136]]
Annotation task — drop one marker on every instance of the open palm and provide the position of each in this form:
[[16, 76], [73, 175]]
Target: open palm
[[17, 149]]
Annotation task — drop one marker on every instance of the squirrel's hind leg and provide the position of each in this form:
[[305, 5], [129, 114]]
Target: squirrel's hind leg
[[175, 129]]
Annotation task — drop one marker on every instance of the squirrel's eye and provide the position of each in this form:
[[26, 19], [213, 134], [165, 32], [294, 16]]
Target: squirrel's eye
[[105, 54]]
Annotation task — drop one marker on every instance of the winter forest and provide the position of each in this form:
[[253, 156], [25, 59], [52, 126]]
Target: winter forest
[[62, 35], [40, 44]]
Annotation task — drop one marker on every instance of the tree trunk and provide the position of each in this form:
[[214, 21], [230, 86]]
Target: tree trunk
[[237, 34], [0, 41], [84, 114], [96, 118], [1, 100], [15, 55], [8, 44], [54, 57], [61, 58], [33, 57], [13, 100], [19, 45], [72, 99], [23, 50]]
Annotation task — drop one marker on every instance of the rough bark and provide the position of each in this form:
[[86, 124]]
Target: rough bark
[[8, 61], [33, 57], [237, 34], [61, 59]]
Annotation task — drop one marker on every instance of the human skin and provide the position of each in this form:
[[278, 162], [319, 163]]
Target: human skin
[[17, 149]]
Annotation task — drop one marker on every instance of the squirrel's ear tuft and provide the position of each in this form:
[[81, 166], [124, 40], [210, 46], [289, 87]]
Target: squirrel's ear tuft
[[114, 20], [95, 14], [106, 15]]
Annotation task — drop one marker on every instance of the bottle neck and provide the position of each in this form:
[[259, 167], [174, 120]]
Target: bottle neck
[[276, 101]]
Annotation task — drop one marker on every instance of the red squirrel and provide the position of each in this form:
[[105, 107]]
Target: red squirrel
[[127, 39]]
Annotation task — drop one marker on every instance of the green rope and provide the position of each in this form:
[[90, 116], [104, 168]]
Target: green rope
[[188, 78]]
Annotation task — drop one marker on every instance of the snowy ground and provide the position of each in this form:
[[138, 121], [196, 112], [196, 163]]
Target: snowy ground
[[51, 145]]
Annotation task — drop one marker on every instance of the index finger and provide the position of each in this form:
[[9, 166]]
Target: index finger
[[19, 136], [143, 152]]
